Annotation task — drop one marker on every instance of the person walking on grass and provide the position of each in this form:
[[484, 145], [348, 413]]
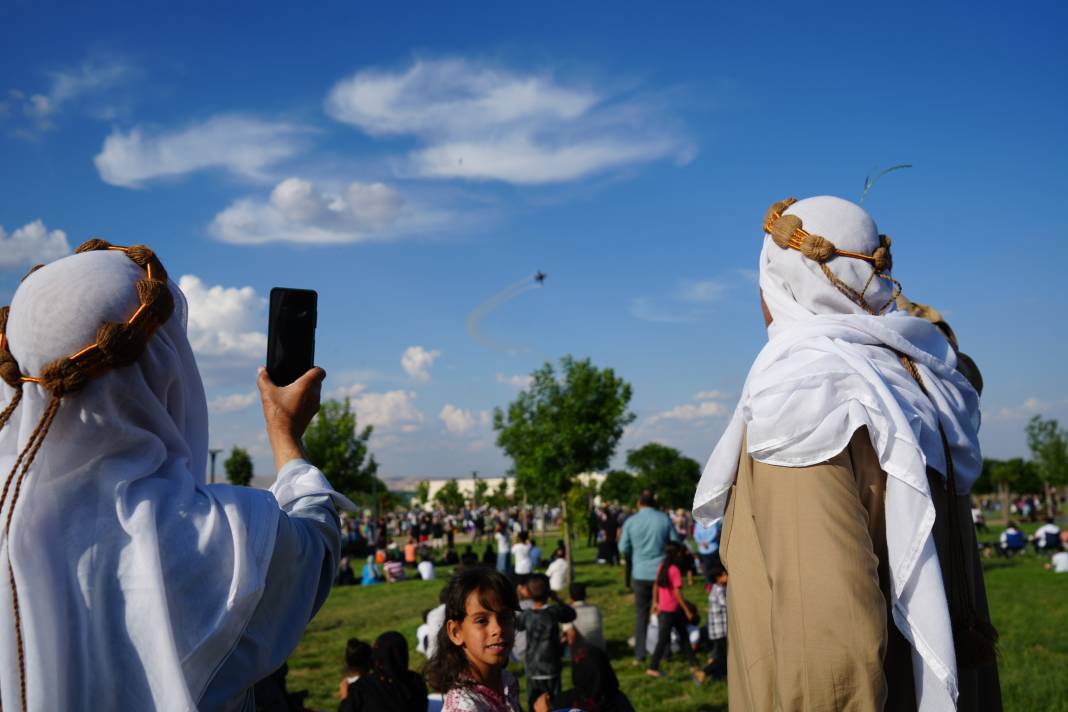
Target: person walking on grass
[[642, 542], [673, 612]]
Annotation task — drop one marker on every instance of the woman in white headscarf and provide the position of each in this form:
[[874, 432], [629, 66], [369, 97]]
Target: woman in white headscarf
[[127, 582], [842, 476]]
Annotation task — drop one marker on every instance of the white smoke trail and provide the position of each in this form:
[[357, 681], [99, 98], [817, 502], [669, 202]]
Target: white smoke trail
[[474, 319]]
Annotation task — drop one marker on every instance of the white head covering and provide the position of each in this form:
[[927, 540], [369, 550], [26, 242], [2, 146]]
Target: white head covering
[[829, 368], [134, 579]]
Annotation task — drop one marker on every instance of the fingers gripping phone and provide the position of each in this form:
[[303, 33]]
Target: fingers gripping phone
[[291, 334]]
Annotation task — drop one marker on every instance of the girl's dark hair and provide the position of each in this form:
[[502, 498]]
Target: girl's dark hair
[[672, 553], [358, 655], [446, 669]]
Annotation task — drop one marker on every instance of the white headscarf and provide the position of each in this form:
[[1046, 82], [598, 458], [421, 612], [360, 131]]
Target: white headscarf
[[827, 371], [135, 580]]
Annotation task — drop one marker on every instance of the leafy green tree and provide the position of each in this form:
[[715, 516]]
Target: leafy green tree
[[480, 492], [1049, 451], [422, 492], [667, 472], [238, 467], [337, 447], [619, 486], [450, 497], [500, 497], [560, 427]]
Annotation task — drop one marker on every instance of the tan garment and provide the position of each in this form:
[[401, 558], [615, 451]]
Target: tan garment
[[808, 594]]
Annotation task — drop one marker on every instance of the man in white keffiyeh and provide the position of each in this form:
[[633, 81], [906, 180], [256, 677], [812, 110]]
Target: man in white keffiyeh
[[842, 479], [127, 582]]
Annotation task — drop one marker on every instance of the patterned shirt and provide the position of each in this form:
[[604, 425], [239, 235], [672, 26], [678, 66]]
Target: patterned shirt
[[717, 612], [479, 698]]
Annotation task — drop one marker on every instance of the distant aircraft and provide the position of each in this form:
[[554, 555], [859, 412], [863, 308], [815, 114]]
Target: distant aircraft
[[540, 277]]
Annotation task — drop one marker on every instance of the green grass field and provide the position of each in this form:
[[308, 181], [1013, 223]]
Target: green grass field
[[1029, 607]]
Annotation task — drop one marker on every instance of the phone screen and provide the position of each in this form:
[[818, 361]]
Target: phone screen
[[291, 334]]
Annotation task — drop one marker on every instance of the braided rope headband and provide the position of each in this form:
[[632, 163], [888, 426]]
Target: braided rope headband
[[788, 233], [117, 345]]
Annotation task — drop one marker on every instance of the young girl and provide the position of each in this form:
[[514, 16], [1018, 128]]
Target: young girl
[[475, 642], [672, 611]]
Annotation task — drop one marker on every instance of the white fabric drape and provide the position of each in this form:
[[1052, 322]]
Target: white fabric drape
[[828, 369], [135, 579]]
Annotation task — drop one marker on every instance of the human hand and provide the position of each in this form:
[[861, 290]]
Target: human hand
[[288, 410], [542, 703]]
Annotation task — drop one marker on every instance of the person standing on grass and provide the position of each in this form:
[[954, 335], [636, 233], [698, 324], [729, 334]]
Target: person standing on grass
[[521, 552], [673, 611], [642, 542], [544, 652], [500, 536], [843, 479]]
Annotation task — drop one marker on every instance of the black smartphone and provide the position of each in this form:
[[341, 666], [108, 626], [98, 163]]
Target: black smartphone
[[291, 334]]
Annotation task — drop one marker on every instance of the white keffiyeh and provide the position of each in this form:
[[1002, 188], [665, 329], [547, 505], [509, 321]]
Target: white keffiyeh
[[135, 579], [829, 368]]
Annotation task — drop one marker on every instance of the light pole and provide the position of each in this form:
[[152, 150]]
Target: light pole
[[214, 452]]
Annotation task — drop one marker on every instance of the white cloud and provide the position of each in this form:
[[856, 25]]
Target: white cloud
[[350, 391], [416, 362], [225, 321], [232, 403], [701, 291], [1031, 406], [707, 406], [646, 309], [482, 122], [519, 381], [65, 86], [299, 211], [31, 244], [392, 409], [242, 145], [459, 421]]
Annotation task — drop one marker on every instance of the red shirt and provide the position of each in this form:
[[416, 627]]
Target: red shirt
[[666, 596]]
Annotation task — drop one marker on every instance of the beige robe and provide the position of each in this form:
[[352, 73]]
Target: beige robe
[[808, 594]]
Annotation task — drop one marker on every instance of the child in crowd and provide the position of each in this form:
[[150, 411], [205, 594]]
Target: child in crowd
[[589, 624], [410, 552], [426, 566], [672, 611], [557, 571], [357, 663], [371, 574], [389, 686], [542, 626], [473, 646], [521, 554], [393, 568], [717, 624], [596, 686]]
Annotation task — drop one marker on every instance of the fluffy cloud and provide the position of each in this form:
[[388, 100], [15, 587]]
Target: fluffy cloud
[[416, 362], [31, 244], [481, 122], [225, 321], [459, 421], [389, 410], [244, 146], [232, 403], [1030, 407], [703, 291], [299, 211], [690, 301], [707, 406], [519, 381]]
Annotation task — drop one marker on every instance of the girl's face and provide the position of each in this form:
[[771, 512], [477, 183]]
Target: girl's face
[[485, 635]]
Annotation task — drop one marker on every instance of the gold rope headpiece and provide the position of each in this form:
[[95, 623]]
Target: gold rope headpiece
[[788, 233], [117, 345]]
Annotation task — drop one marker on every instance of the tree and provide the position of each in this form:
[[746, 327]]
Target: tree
[[238, 467], [335, 445], [667, 472], [500, 498], [561, 427], [480, 492], [422, 492], [1049, 451], [619, 486], [449, 497]]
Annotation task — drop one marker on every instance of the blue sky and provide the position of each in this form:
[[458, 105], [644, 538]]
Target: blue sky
[[410, 162]]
